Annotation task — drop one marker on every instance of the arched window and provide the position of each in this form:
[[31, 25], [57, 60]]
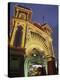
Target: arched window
[[18, 36], [22, 16]]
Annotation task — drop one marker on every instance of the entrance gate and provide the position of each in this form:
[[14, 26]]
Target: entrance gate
[[35, 64]]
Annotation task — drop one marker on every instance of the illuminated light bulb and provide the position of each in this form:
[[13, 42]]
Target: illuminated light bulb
[[41, 49], [34, 54], [50, 39]]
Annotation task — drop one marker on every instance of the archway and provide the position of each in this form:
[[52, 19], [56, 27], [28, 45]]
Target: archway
[[35, 64]]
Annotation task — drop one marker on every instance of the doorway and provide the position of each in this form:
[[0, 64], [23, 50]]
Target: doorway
[[35, 65]]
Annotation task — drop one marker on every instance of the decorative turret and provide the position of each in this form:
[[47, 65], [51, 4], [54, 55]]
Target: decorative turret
[[22, 13]]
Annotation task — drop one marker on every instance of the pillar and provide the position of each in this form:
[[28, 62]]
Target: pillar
[[51, 66]]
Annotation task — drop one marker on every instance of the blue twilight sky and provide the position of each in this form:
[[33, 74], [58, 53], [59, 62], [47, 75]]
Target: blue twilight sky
[[50, 13]]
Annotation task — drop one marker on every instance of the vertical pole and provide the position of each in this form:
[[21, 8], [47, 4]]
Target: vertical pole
[[43, 19]]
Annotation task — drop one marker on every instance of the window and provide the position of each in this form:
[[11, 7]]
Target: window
[[18, 36], [22, 16]]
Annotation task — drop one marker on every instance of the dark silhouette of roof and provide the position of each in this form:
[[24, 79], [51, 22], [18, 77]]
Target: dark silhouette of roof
[[23, 7]]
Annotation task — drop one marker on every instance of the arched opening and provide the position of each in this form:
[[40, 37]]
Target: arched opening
[[18, 36], [35, 64]]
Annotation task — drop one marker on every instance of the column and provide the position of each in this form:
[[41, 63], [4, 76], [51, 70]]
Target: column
[[51, 66]]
